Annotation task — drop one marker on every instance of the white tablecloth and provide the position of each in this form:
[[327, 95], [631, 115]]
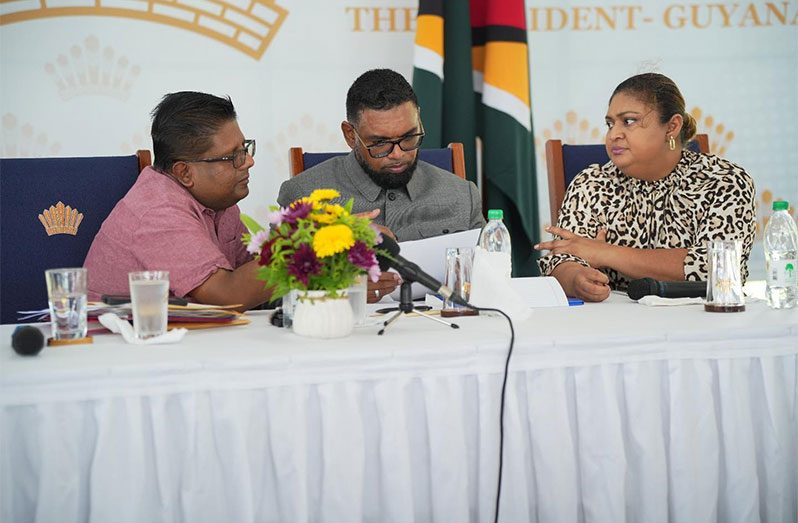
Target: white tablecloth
[[615, 412]]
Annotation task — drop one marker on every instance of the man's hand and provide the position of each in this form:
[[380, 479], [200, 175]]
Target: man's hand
[[385, 285], [373, 214], [582, 282], [590, 250]]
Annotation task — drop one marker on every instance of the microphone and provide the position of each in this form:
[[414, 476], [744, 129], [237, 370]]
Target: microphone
[[27, 340], [666, 289], [412, 272]]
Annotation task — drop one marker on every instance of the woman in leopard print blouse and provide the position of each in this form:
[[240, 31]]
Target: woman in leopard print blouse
[[649, 211]]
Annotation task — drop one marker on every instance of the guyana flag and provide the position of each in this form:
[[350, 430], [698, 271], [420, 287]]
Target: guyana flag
[[471, 76]]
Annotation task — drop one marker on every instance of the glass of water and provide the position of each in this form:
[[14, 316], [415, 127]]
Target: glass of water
[[149, 299], [357, 299], [66, 295]]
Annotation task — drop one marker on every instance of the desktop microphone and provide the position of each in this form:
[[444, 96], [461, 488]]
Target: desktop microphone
[[666, 289], [27, 340], [412, 272]]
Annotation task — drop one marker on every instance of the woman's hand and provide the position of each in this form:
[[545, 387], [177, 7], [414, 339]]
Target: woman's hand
[[582, 282], [590, 250]]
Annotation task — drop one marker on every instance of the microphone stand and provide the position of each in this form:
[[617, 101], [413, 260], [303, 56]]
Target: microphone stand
[[406, 307]]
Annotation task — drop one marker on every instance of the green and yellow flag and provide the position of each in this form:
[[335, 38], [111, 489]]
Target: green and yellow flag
[[471, 75]]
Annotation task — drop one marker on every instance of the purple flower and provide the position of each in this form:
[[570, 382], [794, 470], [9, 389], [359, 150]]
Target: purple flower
[[361, 256], [275, 217], [296, 211], [377, 231], [266, 253], [256, 242], [304, 263], [374, 272]]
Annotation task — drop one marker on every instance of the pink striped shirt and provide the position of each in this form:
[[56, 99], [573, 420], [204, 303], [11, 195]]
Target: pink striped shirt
[[159, 225]]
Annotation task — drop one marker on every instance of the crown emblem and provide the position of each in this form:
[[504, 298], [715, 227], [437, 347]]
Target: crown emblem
[[22, 141], [572, 130], [719, 137], [137, 140], [246, 26], [89, 70], [61, 219]]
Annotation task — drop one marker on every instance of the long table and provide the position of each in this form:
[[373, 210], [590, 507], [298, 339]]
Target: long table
[[615, 412]]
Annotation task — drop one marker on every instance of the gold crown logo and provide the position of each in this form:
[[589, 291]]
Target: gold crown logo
[[89, 70], [311, 135], [572, 130], [61, 219], [138, 140], [246, 26], [719, 137], [21, 141]]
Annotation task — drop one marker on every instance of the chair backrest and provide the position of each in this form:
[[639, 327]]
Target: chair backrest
[[564, 162], [51, 210], [449, 159]]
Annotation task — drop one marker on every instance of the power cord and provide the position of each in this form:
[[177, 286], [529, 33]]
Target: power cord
[[501, 405]]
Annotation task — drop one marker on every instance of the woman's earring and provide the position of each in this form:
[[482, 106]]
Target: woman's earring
[[671, 143]]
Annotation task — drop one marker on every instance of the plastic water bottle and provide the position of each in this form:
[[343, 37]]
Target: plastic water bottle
[[495, 237], [781, 258]]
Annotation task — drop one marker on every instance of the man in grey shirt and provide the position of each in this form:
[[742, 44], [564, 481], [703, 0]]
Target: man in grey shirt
[[409, 198]]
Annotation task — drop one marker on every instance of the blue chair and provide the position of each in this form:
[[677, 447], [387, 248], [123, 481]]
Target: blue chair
[[449, 159], [51, 210], [564, 162]]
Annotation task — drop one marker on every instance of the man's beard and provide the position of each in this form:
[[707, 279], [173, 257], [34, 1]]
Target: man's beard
[[388, 180]]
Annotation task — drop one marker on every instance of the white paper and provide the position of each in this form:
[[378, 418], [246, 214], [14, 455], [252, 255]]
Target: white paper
[[542, 291], [656, 301], [430, 255], [117, 325], [491, 286]]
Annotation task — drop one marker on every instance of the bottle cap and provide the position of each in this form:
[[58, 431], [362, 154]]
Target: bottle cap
[[498, 214], [778, 205]]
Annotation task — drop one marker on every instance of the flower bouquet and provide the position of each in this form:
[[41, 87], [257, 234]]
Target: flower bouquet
[[313, 245]]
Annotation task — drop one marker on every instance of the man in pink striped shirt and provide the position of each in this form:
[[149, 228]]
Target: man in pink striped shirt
[[181, 214]]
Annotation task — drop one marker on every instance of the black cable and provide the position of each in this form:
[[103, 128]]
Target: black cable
[[501, 405]]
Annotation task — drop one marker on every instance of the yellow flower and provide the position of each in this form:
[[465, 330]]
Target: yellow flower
[[323, 195], [324, 218], [329, 213], [334, 209], [332, 239]]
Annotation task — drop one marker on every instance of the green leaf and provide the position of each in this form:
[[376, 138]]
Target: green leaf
[[251, 224]]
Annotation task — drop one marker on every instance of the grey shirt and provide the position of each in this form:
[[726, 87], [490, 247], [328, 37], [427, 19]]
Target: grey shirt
[[434, 202]]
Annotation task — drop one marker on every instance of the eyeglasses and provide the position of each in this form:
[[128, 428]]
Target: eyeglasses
[[239, 157], [383, 148]]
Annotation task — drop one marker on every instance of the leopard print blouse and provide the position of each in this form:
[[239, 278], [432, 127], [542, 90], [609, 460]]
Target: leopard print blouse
[[705, 197]]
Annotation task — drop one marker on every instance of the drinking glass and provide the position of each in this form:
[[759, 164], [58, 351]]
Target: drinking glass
[[459, 265], [66, 295], [724, 285], [149, 299], [357, 299]]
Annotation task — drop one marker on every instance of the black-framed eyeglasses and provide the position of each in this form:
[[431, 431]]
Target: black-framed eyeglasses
[[383, 148], [239, 157]]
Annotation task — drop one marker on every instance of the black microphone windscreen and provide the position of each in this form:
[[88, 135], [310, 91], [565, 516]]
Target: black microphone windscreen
[[27, 340], [390, 246], [642, 287]]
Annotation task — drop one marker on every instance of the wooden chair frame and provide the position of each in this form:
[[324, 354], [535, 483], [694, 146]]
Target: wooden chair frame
[[145, 158], [296, 160]]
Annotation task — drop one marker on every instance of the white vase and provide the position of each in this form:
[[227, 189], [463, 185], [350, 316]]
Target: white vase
[[317, 315]]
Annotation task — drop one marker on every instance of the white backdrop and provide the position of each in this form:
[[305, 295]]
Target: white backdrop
[[78, 79]]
